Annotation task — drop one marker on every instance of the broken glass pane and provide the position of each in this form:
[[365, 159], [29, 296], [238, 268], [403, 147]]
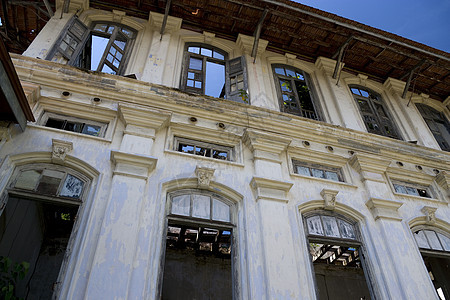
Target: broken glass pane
[[290, 73], [421, 240], [27, 180], [314, 225], [221, 211], [330, 226], [347, 230], [433, 240], [201, 206], [48, 185], [181, 205], [186, 148], [91, 130], [72, 187]]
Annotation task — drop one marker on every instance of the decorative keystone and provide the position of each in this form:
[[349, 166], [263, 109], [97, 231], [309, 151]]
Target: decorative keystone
[[59, 150], [429, 213], [330, 198], [204, 176], [384, 209]]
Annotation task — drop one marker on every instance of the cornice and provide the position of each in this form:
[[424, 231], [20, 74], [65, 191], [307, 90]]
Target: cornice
[[410, 176], [200, 133], [270, 189], [369, 163], [130, 91], [384, 209], [245, 42], [298, 151], [260, 140]]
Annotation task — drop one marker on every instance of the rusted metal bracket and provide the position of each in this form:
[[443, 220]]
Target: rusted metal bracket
[[340, 54], [410, 75]]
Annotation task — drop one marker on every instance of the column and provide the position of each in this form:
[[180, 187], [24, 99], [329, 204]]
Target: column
[[114, 259]]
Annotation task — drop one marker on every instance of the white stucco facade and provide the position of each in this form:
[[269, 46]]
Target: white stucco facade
[[116, 250]]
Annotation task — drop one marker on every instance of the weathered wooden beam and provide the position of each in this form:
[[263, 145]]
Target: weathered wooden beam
[[49, 8], [411, 73], [66, 6], [166, 15], [340, 54], [258, 33]]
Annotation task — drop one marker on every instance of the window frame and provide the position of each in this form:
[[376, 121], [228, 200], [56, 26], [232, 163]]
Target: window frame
[[373, 100], [313, 115], [229, 149], [427, 189], [427, 112], [79, 58], [50, 115], [338, 171]]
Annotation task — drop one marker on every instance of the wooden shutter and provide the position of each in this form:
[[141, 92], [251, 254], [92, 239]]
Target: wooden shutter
[[70, 42], [236, 80]]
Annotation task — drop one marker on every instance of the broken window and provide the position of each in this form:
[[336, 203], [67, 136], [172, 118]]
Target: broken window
[[67, 123], [207, 71], [336, 255], [105, 47], [438, 124], [203, 149], [411, 189], [198, 256], [317, 171], [294, 93], [435, 249], [374, 113], [40, 213]]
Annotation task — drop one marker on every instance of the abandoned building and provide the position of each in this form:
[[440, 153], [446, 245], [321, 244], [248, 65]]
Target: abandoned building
[[223, 149]]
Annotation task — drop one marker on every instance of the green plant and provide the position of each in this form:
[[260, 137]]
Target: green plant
[[244, 95], [10, 273]]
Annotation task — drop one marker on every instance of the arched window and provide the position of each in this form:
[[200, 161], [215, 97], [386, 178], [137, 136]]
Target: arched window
[[335, 249], [434, 246], [294, 92], [374, 113], [198, 257], [438, 125], [207, 71], [39, 217], [105, 47]]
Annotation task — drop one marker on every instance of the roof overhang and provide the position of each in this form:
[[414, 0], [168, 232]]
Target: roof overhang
[[14, 105]]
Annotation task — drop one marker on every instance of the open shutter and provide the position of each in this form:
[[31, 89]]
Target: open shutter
[[70, 42], [236, 80]]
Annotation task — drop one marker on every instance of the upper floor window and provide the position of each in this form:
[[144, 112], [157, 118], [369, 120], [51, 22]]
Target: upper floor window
[[105, 47], [73, 124], [294, 95], [374, 113], [438, 125], [204, 149], [207, 71], [317, 171]]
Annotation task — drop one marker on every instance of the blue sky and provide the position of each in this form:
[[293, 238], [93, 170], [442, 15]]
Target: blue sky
[[423, 21]]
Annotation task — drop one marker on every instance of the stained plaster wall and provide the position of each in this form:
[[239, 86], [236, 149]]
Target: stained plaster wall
[[119, 245]]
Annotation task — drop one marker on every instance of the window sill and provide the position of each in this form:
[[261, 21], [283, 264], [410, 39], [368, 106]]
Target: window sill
[[60, 131], [412, 197], [327, 181], [233, 163]]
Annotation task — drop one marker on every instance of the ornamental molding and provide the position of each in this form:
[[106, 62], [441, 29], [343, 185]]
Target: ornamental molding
[[133, 165], [270, 189], [443, 179], [384, 209], [326, 65], [245, 42], [266, 146], [297, 150], [430, 214], [60, 149], [394, 86], [147, 118], [364, 163], [156, 20], [330, 198], [403, 174], [204, 176]]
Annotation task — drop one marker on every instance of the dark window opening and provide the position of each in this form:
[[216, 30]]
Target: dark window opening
[[74, 126], [374, 113], [412, 189], [38, 233], [104, 48], [294, 93], [438, 125], [318, 171], [203, 149]]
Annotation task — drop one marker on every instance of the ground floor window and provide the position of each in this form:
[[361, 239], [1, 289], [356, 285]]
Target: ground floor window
[[198, 253], [38, 233], [335, 251]]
